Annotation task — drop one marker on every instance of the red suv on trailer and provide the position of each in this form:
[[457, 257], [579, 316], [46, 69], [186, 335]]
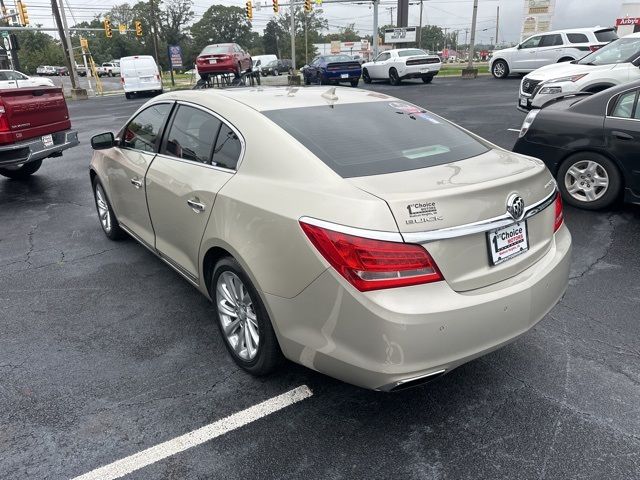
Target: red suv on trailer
[[222, 58]]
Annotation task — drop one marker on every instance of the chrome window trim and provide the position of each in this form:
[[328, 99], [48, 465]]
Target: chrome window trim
[[357, 232], [480, 226], [440, 234]]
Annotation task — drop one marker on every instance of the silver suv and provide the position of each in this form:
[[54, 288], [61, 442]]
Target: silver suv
[[550, 47]]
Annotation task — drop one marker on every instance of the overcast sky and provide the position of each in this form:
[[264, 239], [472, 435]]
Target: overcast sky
[[453, 14]]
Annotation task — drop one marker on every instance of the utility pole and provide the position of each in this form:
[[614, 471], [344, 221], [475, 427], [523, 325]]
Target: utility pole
[[375, 27], [293, 34], [63, 32], [403, 13], [420, 28], [154, 26], [306, 48], [497, 23], [391, 9], [471, 72]]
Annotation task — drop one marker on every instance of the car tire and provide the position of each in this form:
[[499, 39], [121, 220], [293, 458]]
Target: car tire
[[230, 309], [576, 177], [354, 83], [500, 69], [276, 73], [107, 218], [427, 78], [307, 80], [365, 76], [128, 95], [23, 172], [394, 78]]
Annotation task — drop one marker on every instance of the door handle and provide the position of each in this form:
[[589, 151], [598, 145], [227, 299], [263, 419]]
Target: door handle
[[196, 206], [621, 135], [136, 183]]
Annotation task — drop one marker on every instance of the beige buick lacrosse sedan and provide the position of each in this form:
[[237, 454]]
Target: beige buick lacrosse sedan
[[343, 229]]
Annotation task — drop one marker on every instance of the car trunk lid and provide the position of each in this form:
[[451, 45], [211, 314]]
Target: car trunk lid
[[343, 66], [32, 112], [443, 198]]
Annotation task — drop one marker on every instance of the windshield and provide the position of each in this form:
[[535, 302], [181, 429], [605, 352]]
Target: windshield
[[272, 63], [399, 137], [215, 49], [622, 50], [338, 58], [408, 53]]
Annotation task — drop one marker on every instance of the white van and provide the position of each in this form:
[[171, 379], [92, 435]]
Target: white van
[[259, 61], [139, 74]]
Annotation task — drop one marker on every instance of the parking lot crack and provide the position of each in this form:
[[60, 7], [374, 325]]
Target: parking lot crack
[[30, 235], [593, 265]]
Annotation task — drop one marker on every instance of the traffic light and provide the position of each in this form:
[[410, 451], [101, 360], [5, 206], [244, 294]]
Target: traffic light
[[108, 32], [249, 10], [307, 6], [319, 2], [276, 7], [138, 26], [22, 13]]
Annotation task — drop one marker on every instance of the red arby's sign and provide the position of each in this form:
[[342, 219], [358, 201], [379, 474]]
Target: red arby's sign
[[628, 21]]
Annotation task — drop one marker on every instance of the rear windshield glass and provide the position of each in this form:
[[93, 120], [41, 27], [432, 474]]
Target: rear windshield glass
[[374, 138], [619, 51], [606, 35], [338, 58], [408, 53], [213, 49]]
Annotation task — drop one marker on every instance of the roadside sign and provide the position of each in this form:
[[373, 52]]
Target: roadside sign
[[175, 56], [400, 35], [122, 29], [335, 46]]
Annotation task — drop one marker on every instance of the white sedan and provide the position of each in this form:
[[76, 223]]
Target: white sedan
[[14, 79], [402, 63]]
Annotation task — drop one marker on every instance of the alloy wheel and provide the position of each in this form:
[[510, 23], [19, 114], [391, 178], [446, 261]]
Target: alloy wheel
[[498, 70], [103, 209], [237, 316], [586, 181]]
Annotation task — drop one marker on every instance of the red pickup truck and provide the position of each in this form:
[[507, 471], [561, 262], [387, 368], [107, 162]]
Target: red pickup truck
[[34, 125]]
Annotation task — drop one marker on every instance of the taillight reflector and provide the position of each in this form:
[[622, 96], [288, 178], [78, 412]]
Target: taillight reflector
[[373, 264], [593, 48], [4, 121], [559, 214]]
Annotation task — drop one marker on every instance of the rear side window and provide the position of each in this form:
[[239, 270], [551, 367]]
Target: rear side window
[[192, 135], [551, 40], [400, 137], [142, 131], [608, 35], [577, 38], [228, 149], [625, 106], [215, 49]]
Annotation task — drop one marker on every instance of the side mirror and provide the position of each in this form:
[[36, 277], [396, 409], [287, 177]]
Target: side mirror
[[102, 141], [518, 46]]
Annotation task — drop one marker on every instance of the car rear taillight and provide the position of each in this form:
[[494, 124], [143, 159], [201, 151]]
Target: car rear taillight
[[122, 80], [373, 264], [593, 48], [559, 214], [4, 121], [158, 76]]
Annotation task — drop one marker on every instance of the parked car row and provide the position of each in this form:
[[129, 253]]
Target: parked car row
[[15, 79], [52, 70]]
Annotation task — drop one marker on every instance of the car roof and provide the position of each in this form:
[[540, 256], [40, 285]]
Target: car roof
[[597, 28], [276, 98]]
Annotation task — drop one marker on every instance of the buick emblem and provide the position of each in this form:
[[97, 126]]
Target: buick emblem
[[515, 207]]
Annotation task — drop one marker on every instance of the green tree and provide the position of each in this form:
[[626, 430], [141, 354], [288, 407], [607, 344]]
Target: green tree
[[273, 38], [312, 24], [221, 24], [346, 34], [38, 48]]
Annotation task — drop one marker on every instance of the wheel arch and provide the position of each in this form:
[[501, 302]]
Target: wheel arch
[[566, 58], [597, 87]]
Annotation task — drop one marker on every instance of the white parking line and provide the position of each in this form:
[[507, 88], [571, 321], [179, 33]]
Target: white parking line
[[514, 130], [179, 444]]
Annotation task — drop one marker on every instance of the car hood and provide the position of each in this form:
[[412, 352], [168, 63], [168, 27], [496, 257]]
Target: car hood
[[497, 53], [565, 69]]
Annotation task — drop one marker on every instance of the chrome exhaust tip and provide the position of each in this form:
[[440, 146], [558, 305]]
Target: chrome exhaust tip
[[411, 382]]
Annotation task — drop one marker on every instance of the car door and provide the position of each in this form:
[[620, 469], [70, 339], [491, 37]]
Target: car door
[[378, 69], [127, 165], [549, 50], [525, 57], [312, 70], [622, 135], [5, 82], [199, 155]]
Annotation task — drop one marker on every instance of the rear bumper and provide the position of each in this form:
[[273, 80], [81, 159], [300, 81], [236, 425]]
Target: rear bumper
[[381, 339], [337, 77], [34, 148], [419, 71], [216, 68], [142, 87]]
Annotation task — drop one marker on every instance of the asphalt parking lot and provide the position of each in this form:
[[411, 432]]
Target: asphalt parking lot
[[106, 352]]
